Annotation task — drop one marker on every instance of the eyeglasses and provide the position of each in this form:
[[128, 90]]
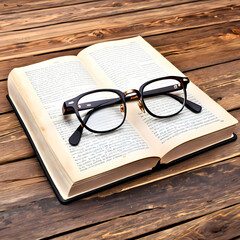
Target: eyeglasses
[[104, 110]]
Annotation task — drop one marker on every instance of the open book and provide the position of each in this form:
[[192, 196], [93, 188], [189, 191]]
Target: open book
[[38, 91]]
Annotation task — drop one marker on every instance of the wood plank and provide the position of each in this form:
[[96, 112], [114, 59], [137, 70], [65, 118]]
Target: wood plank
[[131, 207], [12, 6], [222, 224], [196, 48], [152, 22], [8, 122], [219, 41], [22, 182], [26, 193], [15, 145], [77, 12], [218, 75], [5, 105], [212, 226], [10, 172], [229, 100]]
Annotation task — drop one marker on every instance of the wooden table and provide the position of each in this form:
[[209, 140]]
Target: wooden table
[[202, 38]]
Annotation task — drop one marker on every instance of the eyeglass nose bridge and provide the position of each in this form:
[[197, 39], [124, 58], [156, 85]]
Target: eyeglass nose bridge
[[136, 95]]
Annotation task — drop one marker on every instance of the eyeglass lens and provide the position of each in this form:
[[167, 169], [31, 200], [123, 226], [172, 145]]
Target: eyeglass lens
[[105, 110], [161, 97]]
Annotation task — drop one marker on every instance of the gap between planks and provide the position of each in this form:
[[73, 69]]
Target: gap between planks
[[78, 12], [214, 229], [121, 222], [180, 53], [27, 6], [112, 28], [154, 234]]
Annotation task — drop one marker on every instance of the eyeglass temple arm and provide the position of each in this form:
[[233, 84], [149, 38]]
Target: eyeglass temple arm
[[194, 107], [76, 136]]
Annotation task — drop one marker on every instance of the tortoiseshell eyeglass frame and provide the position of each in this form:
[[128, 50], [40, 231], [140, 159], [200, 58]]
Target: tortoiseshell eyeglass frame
[[71, 106]]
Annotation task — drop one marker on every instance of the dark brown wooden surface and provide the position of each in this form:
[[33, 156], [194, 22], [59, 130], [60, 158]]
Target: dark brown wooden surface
[[202, 38]]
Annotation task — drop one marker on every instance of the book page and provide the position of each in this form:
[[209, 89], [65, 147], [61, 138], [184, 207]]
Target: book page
[[58, 80], [127, 64]]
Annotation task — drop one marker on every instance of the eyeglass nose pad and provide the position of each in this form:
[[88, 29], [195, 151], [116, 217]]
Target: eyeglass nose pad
[[140, 104], [122, 108]]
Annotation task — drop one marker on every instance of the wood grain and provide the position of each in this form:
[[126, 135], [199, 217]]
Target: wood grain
[[125, 211], [203, 47], [212, 226], [8, 122], [77, 12], [209, 45], [12, 6], [229, 100], [5, 105], [15, 145], [152, 22], [209, 77], [222, 224], [202, 39], [21, 183]]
